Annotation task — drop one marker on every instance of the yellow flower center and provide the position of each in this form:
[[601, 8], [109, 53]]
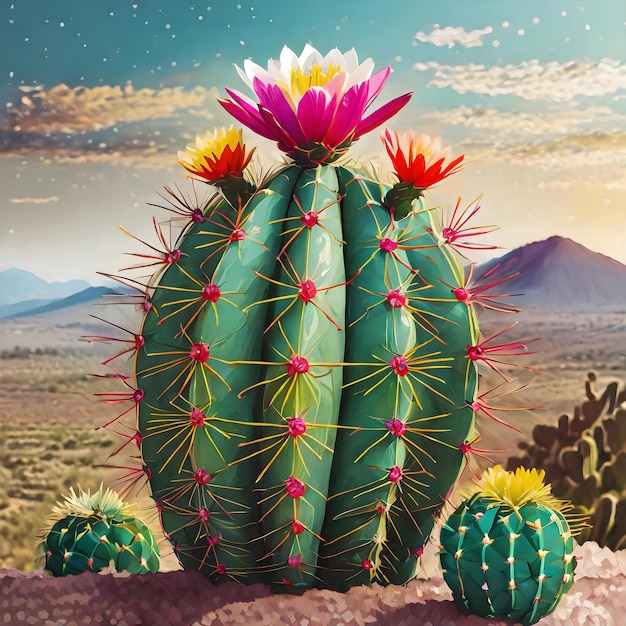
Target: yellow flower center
[[317, 76], [421, 148]]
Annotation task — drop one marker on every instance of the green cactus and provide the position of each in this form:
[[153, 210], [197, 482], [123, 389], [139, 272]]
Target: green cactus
[[608, 522], [241, 405], [615, 427], [613, 474], [306, 371], [89, 532], [508, 550]]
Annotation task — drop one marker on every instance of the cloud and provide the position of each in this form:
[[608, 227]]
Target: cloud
[[524, 123], [139, 148], [453, 35], [28, 200], [119, 124], [594, 158], [531, 80], [564, 145], [63, 109]]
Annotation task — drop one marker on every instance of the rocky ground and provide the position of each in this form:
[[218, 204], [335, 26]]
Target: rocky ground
[[178, 598]]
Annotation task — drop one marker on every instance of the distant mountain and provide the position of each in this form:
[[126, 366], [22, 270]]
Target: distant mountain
[[560, 275], [11, 310], [19, 285], [91, 294]]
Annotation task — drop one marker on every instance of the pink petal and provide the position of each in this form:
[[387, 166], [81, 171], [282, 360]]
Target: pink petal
[[316, 110], [381, 115], [376, 83], [336, 86], [272, 98], [252, 120], [243, 101], [285, 141], [348, 114]]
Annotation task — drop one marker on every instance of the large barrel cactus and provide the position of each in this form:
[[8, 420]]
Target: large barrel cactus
[[305, 374]]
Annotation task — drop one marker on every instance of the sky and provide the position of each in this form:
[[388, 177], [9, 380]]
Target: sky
[[96, 98]]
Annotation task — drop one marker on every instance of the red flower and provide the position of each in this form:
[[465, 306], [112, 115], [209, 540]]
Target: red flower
[[419, 160], [216, 155]]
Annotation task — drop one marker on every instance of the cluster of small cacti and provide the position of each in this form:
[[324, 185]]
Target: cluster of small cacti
[[306, 372], [91, 532], [508, 550], [585, 460]]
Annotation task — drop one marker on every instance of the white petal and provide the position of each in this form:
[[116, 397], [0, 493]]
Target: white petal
[[243, 75], [351, 60], [361, 73], [310, 56], [183, 156], [288, 60], [335, 57], [424, 140], [276, 71], [444, 154], [252, 71]]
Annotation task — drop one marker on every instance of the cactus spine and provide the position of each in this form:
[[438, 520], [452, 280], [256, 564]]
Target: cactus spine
[[306, 399]]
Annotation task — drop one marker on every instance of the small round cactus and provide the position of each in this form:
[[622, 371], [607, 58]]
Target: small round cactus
[[90, 532], [508, 550]]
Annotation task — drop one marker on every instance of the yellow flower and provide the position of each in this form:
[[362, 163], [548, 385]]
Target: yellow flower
[[216, 155], [517, 489]]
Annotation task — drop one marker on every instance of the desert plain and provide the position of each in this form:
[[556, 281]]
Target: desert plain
[[49, 413]]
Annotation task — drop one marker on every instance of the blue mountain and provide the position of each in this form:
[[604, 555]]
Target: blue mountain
[[18, 285]]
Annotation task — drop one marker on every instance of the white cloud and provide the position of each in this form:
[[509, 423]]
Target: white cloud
[[566, 145], [531, 80], [453, 35], [63, 109], [524, 123], [595, 156], [28, 200]]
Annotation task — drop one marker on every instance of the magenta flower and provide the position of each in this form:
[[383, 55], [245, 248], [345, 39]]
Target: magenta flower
[[314, 107]]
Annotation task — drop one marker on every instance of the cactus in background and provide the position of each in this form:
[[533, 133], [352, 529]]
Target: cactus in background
[[306, 371], [508, 550], [586, 467], [90, 532]]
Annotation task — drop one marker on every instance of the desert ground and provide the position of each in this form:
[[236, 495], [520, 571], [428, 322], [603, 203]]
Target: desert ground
[[49, 415]]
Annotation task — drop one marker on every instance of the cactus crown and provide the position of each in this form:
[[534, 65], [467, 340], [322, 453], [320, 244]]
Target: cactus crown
[[517, 489], [524, 487], [104, 503]]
